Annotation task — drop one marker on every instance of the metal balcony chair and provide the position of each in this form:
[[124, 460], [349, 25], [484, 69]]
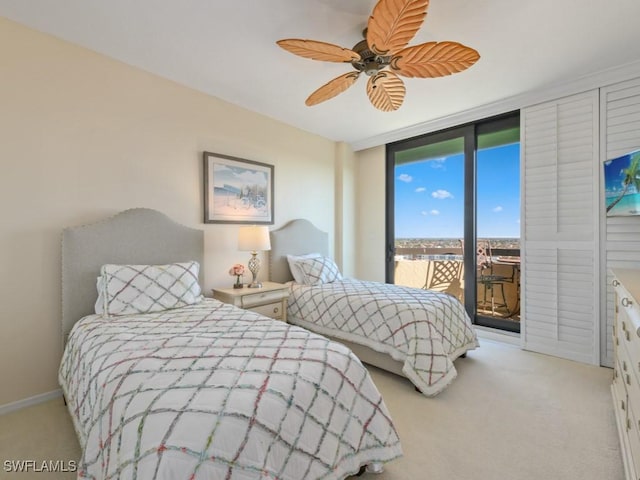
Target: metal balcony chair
[[490, 280]]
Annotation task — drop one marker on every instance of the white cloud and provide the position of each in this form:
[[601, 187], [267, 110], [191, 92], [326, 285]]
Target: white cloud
[[405, 178], [253, 177], [438, 163], [435, 212], [238, 177], [424, 213], [441, 194], [497, 209], [420, 189]]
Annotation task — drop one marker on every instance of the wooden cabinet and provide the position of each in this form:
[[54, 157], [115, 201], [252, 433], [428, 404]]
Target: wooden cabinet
[[626, 373], [270, 300]]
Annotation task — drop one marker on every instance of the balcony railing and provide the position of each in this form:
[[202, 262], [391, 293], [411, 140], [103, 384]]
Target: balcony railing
[[414, 267], [413, 253]]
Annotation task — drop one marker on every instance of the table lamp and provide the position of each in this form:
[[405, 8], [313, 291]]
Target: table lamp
[[254, 239]]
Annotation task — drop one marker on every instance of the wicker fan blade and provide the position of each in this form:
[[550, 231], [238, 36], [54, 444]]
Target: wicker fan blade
[[386, 91], [318, 50], [433, 59], [393, 23], [332, 88]]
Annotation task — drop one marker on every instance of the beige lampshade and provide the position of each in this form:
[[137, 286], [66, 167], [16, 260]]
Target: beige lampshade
[[253, 239]]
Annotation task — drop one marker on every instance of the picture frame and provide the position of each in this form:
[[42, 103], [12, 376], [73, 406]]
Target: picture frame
[[622, 185], [237, 190]]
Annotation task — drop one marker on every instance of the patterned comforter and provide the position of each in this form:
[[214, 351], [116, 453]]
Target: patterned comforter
[[212, 391], [425, 330]]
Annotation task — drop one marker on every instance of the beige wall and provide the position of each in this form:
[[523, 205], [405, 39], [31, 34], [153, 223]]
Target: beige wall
[[83, 137], [370, 214], [345, 253]]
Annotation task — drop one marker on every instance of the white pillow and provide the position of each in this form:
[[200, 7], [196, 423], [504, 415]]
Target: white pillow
[[131, 289], [294, 260], [319, 270]]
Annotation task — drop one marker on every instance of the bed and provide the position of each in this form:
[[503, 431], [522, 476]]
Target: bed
[[199, 388], [411, 332]]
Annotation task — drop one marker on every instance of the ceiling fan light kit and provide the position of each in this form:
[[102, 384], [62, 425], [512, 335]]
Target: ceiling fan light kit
[[383, 55]]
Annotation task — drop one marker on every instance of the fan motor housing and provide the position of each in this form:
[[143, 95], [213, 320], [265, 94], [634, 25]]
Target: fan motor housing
[[369, 63]]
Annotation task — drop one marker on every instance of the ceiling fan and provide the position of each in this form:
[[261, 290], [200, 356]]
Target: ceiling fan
[[383, 55]]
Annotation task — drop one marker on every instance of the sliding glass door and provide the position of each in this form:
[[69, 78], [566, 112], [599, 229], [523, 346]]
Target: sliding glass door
[[453, 209], [498, 226], [429, 199]]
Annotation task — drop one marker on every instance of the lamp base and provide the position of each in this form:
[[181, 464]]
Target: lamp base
[[254, 268]]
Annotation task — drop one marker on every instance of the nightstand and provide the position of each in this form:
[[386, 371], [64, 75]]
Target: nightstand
[[270, 300]]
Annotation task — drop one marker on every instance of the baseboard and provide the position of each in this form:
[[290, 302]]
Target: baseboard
[[495, 335], [27, 402]]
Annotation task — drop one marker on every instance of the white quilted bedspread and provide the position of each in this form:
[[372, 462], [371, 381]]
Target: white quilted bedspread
[[424, 329], [210, 391]]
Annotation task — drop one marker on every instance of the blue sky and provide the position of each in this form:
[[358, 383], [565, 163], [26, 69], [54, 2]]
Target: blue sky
[[429, 196]]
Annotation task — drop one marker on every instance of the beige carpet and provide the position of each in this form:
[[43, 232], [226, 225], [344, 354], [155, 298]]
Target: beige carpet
[[509, 415]]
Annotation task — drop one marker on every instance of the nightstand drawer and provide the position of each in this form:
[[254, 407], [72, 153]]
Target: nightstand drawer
[[273, 310], [261, 298], [270, 300]]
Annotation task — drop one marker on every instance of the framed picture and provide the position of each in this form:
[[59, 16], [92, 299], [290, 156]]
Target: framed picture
[[237, 190], [622, 185]]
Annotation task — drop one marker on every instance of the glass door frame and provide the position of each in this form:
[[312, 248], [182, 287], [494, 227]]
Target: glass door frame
[[469, 132]]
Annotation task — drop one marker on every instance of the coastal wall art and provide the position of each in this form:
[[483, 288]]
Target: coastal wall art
[[622, 184], [237, 190]]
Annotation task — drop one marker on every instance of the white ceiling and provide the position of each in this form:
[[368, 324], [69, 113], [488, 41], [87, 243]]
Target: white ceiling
[[227, 48]]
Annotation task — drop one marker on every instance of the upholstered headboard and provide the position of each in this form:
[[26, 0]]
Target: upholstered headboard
[[136, 236], [297, 237]]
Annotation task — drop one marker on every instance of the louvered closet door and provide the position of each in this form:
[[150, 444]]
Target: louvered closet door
[[560, 228], [620, 134]]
